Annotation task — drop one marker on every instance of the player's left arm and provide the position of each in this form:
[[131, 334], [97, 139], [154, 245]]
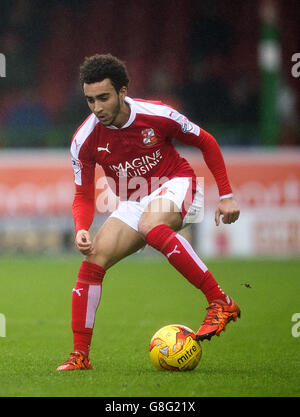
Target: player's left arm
[[191, 134], [228, 209]]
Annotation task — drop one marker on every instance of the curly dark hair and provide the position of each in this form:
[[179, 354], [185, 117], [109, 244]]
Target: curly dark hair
[[98, 67]]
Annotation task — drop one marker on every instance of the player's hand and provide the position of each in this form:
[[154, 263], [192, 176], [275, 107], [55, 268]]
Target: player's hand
[[84, 243], [227, 208]]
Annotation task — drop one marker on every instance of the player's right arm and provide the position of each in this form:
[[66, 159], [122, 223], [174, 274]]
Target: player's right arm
[[83, 207], [83, 242]]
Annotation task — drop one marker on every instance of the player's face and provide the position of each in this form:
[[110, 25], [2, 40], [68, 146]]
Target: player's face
[[105, 102]]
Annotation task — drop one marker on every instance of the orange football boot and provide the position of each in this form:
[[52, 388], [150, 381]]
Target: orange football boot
[[219, 314], [77, 360]]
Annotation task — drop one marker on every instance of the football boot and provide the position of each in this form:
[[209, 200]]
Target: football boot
[[219, 315], [77, 360]]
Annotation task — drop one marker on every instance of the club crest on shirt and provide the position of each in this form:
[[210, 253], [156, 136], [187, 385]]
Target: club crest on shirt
[[149, 138]]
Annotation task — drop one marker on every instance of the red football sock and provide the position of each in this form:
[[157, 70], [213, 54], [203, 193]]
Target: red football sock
[[181, 255], [85, 300]]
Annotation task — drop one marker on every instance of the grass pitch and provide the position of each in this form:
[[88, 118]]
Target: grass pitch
[[256, 356]]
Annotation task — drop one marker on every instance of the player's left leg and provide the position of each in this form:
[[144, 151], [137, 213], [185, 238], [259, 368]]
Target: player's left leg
[[158, 225], [159, 229]]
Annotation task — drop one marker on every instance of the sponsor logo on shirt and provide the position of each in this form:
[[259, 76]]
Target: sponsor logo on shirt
[[138, 166]]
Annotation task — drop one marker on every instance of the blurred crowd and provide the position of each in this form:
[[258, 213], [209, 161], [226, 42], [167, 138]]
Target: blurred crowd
[[198, 56]]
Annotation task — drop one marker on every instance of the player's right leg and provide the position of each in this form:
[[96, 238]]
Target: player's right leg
[[114, 241]]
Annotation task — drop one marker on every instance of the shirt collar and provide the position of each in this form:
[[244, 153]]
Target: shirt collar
[[132, 115]]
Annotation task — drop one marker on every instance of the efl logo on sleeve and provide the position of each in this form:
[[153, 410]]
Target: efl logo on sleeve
[[186, 125], [77, 165]]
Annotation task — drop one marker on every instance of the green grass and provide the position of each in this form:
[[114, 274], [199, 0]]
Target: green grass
[[257, 356]]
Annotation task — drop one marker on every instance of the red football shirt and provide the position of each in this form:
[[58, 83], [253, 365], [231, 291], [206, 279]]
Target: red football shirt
[[142, 149]]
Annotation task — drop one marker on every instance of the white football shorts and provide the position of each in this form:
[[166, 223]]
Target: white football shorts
[[189, 202]]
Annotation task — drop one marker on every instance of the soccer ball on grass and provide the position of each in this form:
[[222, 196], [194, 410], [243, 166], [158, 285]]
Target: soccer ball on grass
[[175, 348]]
